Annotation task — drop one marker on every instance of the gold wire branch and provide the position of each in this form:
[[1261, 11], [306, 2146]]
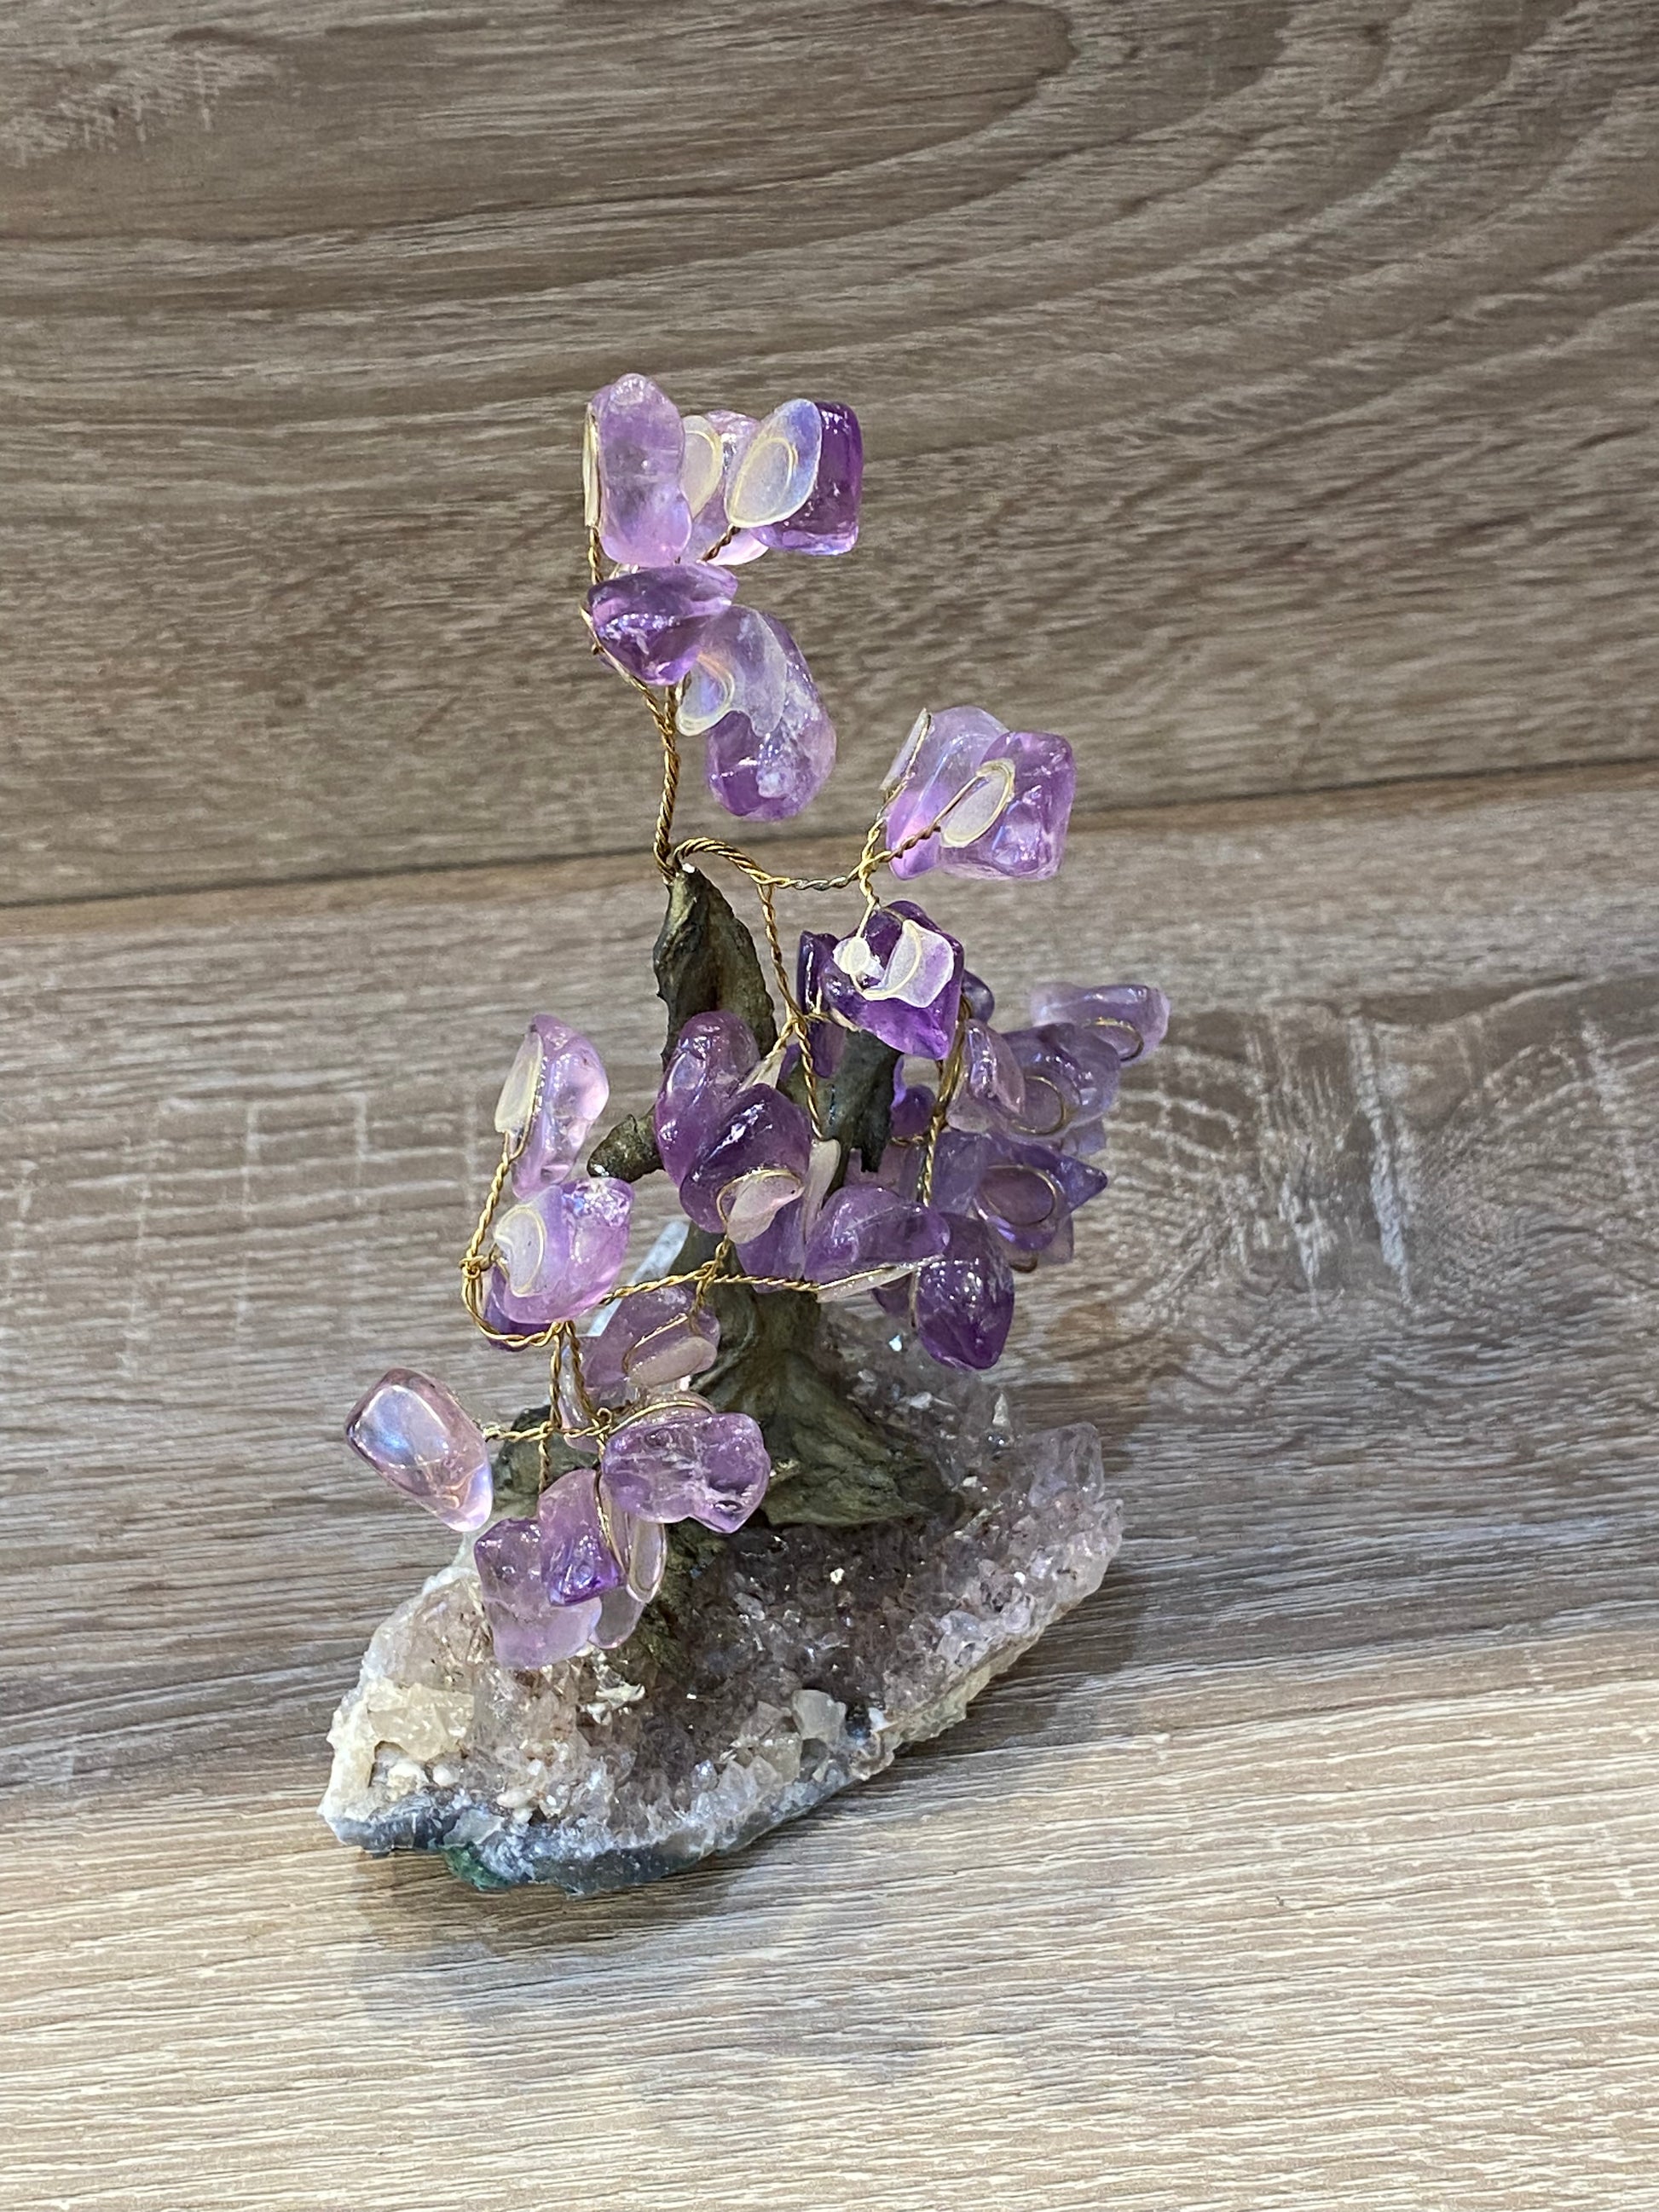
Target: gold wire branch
[[561, 1340]]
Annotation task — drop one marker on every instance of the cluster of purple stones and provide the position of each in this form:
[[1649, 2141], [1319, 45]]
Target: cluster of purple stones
[[993, 1133]]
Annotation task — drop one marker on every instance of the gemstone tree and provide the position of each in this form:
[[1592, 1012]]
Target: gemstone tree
[[854, 1127]]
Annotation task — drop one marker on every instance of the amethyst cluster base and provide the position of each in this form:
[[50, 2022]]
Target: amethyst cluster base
[[811, 1657]]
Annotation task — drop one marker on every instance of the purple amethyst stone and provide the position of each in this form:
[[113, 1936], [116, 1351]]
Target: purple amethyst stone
[[1001, 798], [527, 1629], [651, 621], [689, 1463], [770, 745], [899, 978], [633, 454]]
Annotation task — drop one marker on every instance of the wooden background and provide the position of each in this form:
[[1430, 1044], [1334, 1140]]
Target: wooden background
[[1262, 394]]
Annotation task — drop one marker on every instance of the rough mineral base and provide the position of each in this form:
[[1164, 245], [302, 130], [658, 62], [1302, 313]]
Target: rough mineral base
[[807, 1657]]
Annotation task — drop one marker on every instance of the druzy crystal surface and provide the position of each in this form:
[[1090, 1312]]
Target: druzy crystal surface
[[651, 621], [555, 1090], [421, 1439], [812, 1656]]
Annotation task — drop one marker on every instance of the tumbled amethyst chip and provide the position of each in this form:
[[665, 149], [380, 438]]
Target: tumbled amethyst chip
[[555, 1092], [420, 1439], [560, 1250], [713, 1057], [756, 1166], [689, 1463], [651, 621], [770, 745], [653, 1337], [963, 1303], [577, 1561], [865, 1229], [798, 483], [633, 454], [983, 800], [899, 976], [1133, 1017], [527, 1628]]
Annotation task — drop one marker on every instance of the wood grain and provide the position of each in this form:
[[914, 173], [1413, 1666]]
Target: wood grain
[[1310, 1864], [1257, 390]]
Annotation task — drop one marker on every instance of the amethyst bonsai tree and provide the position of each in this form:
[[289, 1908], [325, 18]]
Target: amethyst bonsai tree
[[844, 1124]]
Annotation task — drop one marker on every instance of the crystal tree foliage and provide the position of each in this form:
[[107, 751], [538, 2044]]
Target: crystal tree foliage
[[855, 1127]]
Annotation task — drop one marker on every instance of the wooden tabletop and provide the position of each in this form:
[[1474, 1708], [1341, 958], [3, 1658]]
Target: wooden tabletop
[[1262, 396]]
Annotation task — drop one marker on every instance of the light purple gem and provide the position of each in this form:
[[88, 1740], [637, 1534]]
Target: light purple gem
[[964, 1304], [714, 444], [577, 1560], [632, 456], [770, 745], [555, 1092], [420, 1439], [561, 1250], [1069, 1071], [756, 1166], [689, 1463], [865, 1227], [1134, 1016], [713, 1057], [1001, 798], [651, 621], [798, 484], [527, 1628], [992, 1093], [780, 1250], [899, 976], [653, 1337]]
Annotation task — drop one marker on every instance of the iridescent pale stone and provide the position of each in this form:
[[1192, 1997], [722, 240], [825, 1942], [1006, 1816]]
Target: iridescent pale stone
[[555, 1092], [577, 1558], [864, 1229], [653, 1337], [527, 1629], [715, 443], [420, 1439], [770, 745], [1134, 1016], [994, 802], [713, 1057], [651, 621], [633, 451], [798, 484], [899, 976], [756, 1166], [561, 1249], [689, 1463], [964, 1304]]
